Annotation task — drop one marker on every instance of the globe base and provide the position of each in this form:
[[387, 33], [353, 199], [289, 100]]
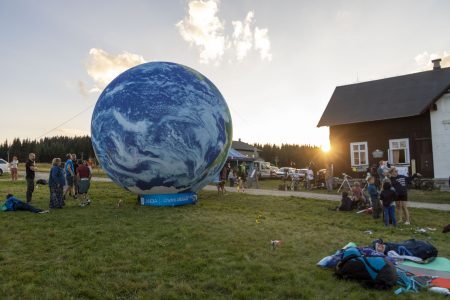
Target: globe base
[[168, 199]]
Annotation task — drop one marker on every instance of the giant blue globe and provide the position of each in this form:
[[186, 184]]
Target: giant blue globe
[[161, 128]]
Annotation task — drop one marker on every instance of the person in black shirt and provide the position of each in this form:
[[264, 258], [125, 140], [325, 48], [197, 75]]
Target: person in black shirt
[[400, 184], [30, 168], [388, 197], [346, 203]]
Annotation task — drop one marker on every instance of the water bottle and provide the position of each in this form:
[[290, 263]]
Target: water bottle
[[440, 290]]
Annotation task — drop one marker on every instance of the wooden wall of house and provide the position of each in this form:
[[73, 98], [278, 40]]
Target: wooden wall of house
[[377, 135]]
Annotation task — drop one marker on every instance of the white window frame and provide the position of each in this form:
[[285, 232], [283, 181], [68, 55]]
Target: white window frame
[[352, 156], [391, 156]]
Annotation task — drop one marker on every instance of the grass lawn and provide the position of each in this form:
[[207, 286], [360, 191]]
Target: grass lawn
[[413, 195], [213, 250]]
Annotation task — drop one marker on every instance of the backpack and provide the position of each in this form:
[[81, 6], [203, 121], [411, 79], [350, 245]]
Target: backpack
[[373, 271], [417, 248]]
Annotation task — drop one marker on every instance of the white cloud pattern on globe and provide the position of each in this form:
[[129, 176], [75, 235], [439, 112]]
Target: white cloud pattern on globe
[[161, 128]]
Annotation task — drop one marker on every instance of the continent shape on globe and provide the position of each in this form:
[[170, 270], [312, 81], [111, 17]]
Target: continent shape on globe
[[161, 128]]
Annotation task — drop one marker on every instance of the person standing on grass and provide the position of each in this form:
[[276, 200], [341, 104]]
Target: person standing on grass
[[388, 197], [76, 186], [56, 184], [329, 177], [309, 178], [30, 168], [13, 166], [70, 174], [400, 183], [84, 178], [373, 193]]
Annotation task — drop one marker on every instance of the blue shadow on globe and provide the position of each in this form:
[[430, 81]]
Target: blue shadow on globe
[[164, 129]]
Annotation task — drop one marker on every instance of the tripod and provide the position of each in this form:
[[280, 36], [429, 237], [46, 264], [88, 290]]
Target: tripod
[[345, 181]]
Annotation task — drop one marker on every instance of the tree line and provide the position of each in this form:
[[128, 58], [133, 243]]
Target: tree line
[[48, 148], [297, 156]]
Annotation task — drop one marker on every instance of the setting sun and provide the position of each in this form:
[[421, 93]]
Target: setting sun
[[326, 147]]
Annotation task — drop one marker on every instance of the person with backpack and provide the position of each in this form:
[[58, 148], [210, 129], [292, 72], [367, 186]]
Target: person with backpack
[[388, 197]]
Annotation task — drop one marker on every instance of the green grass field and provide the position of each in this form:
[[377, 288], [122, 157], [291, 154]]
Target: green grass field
[[213, 250]]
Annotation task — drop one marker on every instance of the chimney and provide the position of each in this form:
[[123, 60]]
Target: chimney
[[436, 64]]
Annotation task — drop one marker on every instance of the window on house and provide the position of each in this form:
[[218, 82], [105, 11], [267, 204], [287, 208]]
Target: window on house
[[359, 154], [399, 151]]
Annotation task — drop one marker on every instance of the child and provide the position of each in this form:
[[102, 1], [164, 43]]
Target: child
[[240, 185], [346, 203], [373, 197], [388, 197]]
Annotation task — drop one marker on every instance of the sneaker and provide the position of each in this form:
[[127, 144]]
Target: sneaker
[[407, 223], [83, 204], [44, 212]]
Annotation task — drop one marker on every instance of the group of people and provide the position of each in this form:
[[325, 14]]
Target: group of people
[[392, 196], [71, 178]]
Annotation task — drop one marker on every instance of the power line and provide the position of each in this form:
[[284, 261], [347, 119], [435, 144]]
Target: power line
[[67, 121]]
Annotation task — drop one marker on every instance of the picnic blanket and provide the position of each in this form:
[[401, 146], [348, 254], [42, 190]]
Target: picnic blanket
[[439, 267]]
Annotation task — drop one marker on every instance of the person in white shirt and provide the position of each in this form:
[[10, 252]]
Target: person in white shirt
[[309, 178], [13, 166]]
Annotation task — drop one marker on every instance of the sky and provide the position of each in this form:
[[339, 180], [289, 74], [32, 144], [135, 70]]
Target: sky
[[275, 62]]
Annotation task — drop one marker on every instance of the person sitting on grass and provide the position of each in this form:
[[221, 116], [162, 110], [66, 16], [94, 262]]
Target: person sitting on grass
[[13, 204], [346, 203], [84, 180], [357, 195], [388, 197]]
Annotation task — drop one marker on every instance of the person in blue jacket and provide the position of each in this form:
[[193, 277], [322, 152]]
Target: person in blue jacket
[[13, 204], [56, 184], [373, 193]]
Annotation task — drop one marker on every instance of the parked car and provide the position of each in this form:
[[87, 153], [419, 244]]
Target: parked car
[[266, 170], [281, 172], [4, 166]]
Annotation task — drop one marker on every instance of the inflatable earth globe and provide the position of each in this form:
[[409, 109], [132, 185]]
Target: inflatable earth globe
[[161, 128]]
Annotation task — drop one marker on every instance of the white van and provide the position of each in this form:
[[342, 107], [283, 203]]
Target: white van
[[266, 170], [4, 166]]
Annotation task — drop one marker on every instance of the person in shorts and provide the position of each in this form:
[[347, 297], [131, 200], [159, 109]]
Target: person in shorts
[[400, 183], [84, 181], [70, 174]]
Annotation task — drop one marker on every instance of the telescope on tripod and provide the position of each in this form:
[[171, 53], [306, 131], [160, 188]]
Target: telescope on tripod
[[345, 182]]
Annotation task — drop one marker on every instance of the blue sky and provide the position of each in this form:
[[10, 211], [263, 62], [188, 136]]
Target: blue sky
[[276, 62]]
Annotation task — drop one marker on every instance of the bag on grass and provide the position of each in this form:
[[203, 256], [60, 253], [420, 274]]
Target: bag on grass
[[373, 271], [417, 248]]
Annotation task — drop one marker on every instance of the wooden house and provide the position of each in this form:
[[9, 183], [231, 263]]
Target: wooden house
[[404, 120]]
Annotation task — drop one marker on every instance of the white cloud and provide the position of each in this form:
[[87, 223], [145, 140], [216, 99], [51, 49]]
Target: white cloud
[[262, 43], [204, 29], [242, 36], [423, 60], [104, 67]]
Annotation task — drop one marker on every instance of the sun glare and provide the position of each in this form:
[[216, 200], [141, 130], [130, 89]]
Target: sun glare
[[326, 148]]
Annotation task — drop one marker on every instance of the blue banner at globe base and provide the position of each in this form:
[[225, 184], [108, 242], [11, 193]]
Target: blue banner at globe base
[[168, 199]]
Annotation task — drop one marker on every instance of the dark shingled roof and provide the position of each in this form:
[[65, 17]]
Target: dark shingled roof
[[238, 145], [389, 98]]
